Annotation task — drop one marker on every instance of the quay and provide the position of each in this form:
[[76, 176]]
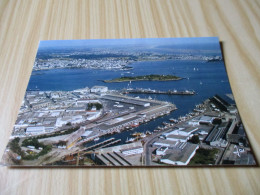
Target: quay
[[99, 144], [151, 91]]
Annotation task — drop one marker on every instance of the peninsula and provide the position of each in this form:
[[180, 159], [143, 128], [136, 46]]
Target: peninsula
[[152, 77]]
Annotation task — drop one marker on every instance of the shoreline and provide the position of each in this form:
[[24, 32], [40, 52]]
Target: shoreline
[[107, 81], [144, 78]]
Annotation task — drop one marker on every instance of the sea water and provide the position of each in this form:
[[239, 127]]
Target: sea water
[[205, 78]]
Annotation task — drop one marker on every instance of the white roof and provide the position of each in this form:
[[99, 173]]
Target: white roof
[[98, 87], [87, 133], [36, 128]]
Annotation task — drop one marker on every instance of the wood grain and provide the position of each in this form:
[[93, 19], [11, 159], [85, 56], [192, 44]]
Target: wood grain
[[24, 23]]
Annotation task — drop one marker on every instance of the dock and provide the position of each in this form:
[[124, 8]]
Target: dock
[[152, 91], [99, 144]]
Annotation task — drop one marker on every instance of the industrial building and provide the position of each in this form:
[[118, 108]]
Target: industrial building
[[180, 156], [99, 89], [132, 151], [127, 100], [118, 155], [35, 130], [161, 151], [218, 134], [220, 103]]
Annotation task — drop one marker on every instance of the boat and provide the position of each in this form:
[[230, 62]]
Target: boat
[[165, 123], [96, 139], [148, 133], [135, 125], [149, 98], [128, 128], [130, 140], [142, 135], [136, 134], [172, 120]]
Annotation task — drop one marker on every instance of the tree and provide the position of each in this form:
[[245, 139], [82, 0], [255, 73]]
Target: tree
[[195, 139], [14, 146]]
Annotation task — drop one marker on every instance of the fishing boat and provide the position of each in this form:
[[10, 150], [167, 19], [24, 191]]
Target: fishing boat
[[148, 133], [130, 140], [135, 125], [172, 120], [136, 134], [96, 139], [142, 135]]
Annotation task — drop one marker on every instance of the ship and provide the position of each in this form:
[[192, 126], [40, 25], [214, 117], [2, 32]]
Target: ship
[[148, 133], [130, 140], [142, 135], [172, 120], [96, 139], [135, 125], [136, 134], [165, 123], [152, 91]]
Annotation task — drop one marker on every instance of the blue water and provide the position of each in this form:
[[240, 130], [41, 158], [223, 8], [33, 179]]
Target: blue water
[[206, 79]]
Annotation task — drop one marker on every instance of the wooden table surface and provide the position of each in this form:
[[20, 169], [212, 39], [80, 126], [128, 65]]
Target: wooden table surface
[[236, 22]]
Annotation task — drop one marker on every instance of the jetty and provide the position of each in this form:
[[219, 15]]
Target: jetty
[[152, 91]]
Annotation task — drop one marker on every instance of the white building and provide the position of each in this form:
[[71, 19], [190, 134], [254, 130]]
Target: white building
[[35, 130], [99, 89], [220, 143], [83, 90], [206, 119], [180, 138], [93, 115], [161, 151], [69, 119], [132, 151], [187, 131], [166, 143], [180, 157]]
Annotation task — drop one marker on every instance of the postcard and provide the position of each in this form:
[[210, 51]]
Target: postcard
[[157, 102]]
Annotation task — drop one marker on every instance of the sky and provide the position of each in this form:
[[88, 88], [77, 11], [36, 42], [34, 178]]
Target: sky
[[212, 42]]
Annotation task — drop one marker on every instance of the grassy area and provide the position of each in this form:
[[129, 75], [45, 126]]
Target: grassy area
[[204, 157], [152, 77], [97, 105], [15, 147]]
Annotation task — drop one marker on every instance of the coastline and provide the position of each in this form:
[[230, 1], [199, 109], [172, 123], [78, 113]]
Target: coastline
[[144, 78]]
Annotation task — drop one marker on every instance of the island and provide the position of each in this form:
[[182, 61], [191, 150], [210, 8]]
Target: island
[[152, 77]]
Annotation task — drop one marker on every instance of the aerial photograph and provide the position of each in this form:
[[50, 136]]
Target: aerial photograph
[[154, 102]]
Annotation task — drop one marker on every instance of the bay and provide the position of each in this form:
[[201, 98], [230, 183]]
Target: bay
[[205, 78]]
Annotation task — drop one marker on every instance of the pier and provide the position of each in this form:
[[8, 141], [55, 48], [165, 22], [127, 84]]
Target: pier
[[151, 91], [99, 144]]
